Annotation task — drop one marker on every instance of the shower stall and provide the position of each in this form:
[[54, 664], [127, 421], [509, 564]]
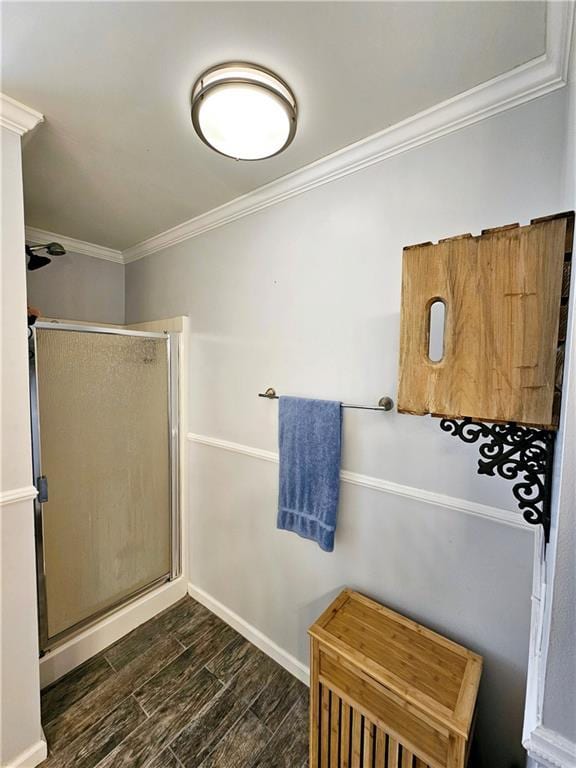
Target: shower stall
[[104, 405]]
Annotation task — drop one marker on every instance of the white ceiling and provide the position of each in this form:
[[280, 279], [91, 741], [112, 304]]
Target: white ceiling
[[117, 160]]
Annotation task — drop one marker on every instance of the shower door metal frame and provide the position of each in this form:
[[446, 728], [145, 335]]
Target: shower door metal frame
[[173, 358]]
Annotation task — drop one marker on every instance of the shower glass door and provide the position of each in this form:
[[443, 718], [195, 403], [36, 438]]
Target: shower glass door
[[105, 439]]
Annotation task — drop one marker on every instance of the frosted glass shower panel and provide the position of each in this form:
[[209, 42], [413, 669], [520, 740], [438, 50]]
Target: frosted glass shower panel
[[104, 436]]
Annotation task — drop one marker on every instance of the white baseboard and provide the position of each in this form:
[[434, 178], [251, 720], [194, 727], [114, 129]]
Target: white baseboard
[[259, 639], [549, 749], [32, 756], [94, 639]]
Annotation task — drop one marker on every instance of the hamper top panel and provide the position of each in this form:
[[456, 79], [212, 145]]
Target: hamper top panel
[[438, 675]]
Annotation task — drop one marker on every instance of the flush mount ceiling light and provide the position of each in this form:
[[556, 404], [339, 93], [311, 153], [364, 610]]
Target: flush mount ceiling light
[[243, 111]]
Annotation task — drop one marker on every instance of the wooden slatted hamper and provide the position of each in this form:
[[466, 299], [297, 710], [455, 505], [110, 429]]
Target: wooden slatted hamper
[[386, 692]]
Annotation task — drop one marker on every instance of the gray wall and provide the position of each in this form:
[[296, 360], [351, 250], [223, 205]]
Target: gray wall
[[79, 287], [305, 296]]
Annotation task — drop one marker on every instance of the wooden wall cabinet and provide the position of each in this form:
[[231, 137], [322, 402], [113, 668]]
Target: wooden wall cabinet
[[386, 692], [505, 294]]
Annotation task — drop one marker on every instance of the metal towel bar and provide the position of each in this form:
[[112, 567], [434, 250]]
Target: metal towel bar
[[384, 404]]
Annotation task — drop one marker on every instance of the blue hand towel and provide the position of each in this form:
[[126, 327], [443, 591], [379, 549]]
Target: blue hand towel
[[309, 440]]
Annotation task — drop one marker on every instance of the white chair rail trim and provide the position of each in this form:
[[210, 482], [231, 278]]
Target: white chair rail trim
[[495, 514], [15, 495]]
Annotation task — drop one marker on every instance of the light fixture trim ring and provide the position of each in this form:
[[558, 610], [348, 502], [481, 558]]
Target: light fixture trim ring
[[199, 91]]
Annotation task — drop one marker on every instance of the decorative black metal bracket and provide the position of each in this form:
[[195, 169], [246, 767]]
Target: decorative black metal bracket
[[510, 451]]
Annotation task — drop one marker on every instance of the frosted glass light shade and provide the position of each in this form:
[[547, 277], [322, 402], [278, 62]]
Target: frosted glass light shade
[[243, 111]]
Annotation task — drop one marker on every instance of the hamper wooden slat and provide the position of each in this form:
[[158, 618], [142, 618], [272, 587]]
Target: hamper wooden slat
[[386, 692]]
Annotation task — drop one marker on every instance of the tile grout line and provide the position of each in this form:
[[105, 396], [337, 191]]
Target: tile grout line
[[272, 732], [110, 663], [242, 713], [166, 664], [220, 693], [175, 756], [172, 632], [167, 746], [245, 704], [149, 679], [140, 707], [184, 649], [130, 694], [169, 743], [267, 727], [71, 744], [44, 691], [280, 724], [247, 708], [160, 634], [127, 736], [218, 654], [200, 712]]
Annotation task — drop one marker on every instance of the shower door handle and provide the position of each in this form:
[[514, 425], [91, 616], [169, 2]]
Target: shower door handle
[[42, 488]]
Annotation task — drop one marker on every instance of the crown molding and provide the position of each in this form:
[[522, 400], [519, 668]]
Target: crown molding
[[535, 78], [549, 749], [495, 514], [529, 81], [72, 245], [17, 117]]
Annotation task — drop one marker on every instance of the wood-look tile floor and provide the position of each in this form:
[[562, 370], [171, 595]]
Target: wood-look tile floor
[[183, 690]]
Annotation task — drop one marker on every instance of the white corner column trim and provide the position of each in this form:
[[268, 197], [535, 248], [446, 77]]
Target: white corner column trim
[[549, 749], [495, 514], [21, 743], [32, 756], [17, 117], [255, 636], [532, 712]]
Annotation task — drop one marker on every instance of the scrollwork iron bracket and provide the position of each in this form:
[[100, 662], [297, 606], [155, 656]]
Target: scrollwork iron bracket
[[517, 453]]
